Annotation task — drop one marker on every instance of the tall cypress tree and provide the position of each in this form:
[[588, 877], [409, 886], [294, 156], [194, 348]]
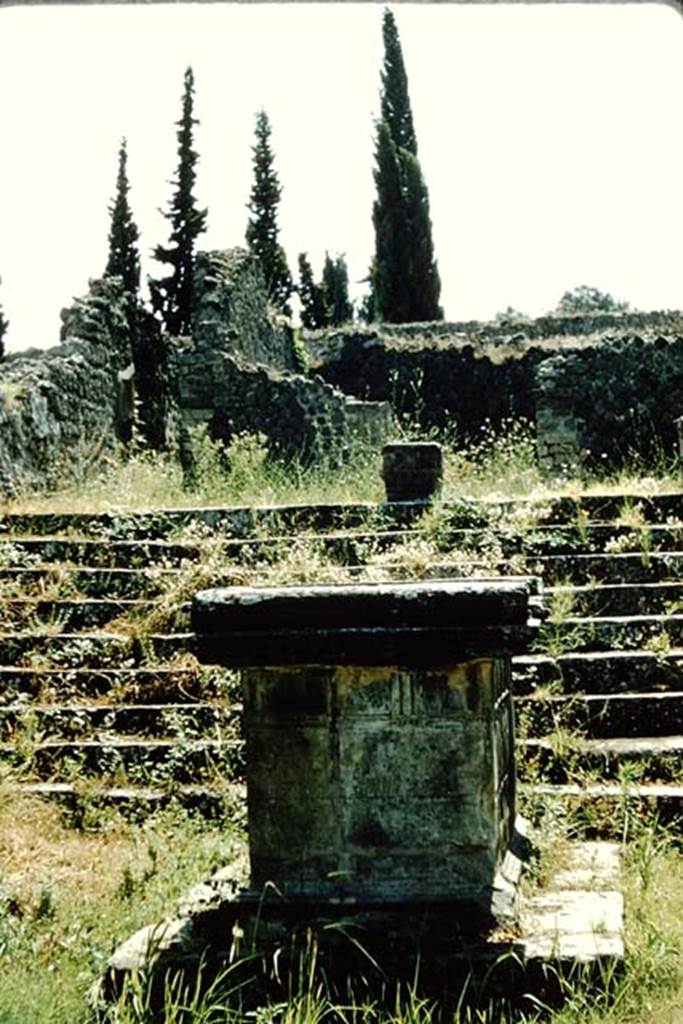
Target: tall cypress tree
[[4, 324], [395, 102], [425, 283], [404, 275], [335, 286], [262, 229], [172, 295], [123, 260], [389, 270], [311, 295]]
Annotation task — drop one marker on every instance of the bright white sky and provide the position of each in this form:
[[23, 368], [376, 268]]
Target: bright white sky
[[550, 138]]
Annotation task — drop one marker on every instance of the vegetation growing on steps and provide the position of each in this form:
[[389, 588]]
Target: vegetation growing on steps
[[287, 545]]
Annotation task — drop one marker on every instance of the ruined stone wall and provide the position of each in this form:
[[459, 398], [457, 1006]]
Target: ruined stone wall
[[432, 385], [462, 376], [605, 404], [301, 418], [60, 409], [231, 311]]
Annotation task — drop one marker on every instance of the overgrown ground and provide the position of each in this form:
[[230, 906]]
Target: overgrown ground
[[498, 465], [68, 897], [69, 894]]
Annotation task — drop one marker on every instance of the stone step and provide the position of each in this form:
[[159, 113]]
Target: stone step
[[594, 538], [224, 801], [83, 613], [130, 759], [240, 521], [554, 570], [84, 721], [631, 567], [609, 632], [628, 714], [564, 757], [97, 553], [178, 684], [350, 547], [86, 581], [607, 810], [661, 598], [597, 672], [229, 521], [31, 649]]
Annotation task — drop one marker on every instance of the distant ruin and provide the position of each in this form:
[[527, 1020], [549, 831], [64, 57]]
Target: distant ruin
[[599, 388]]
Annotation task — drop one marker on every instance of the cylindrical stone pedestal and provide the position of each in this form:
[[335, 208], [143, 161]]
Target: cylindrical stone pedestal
[[412, 470], [380, 738]]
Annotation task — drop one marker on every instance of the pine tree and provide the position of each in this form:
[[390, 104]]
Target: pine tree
[[311, 296], [404, 275], [262, 229], [335, 287], [172, 296], [124, 258]]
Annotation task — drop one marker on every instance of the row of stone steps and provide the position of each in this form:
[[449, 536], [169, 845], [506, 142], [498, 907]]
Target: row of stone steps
[[166, 759], [189, 755], [611, 672], [351, 547], [76, 721], [585, 571], [244, 522], [604, 716], [130, 649], [620, 599], [94, 706]]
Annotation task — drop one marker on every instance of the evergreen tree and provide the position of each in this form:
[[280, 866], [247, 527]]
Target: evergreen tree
[[335, 287], [262, 229], [313, 312], [404, 275], [423, 277], [395, 102], [389, 269], [124, 258], [172, 295], [4, 324]]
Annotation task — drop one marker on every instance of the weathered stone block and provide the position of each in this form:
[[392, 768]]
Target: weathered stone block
[[370, 778], [412, 470]]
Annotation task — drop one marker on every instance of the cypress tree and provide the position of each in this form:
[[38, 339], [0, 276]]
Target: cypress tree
[[262, 229], [335, 286], [310, 293], [172, 296], [404, 275], [4, 324], [395, 102], [389, 270], [124, 259], [425, 283]]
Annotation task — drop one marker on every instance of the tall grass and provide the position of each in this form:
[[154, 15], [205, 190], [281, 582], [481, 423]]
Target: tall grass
[[498, 464], [68, 897]]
